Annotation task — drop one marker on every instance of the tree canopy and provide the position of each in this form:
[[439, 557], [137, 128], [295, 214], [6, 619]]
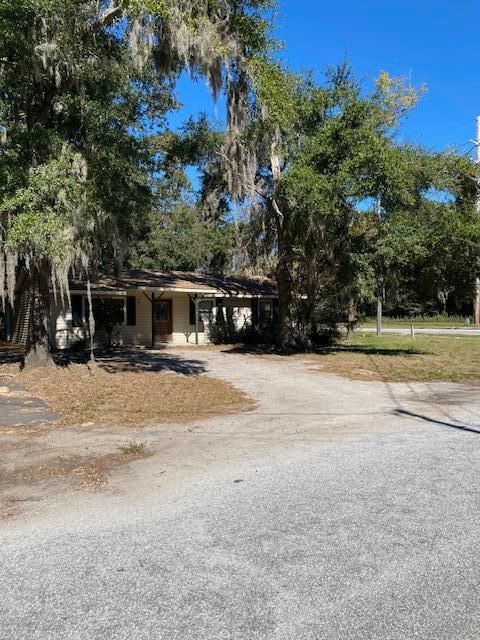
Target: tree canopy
[[82, 85], [305, 182]]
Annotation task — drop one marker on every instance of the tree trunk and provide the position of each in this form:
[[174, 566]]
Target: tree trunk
[[284, 281], [351, 320], [38, 351], [283, 276], [284, 286]]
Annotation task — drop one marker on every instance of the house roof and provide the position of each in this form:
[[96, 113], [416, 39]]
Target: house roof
[[180, 281]]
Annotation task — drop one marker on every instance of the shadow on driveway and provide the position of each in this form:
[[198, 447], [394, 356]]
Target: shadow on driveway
[[442, 423], [130, 360], [113, 360], [133, 360]]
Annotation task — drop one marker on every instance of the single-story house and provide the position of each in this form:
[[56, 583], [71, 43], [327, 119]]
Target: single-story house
[[152, 308]]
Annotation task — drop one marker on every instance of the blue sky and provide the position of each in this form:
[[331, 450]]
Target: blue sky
[[436, 42]]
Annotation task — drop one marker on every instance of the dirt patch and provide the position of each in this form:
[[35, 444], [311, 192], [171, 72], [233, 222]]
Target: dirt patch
[[24, 432], [123, 391], [79, 473], [9, 508], [92, 395]]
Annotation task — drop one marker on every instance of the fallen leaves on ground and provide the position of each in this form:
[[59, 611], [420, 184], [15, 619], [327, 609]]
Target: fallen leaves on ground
[[82, 473], [86, 394]]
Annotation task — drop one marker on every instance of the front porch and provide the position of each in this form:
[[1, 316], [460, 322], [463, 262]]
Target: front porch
[[147, 318], [146, 308]]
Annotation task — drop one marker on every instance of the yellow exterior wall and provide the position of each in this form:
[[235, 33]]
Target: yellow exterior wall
[[141, 333], [184, 332]]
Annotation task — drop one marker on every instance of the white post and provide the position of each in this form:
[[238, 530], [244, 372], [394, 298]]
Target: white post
[[379, 315]]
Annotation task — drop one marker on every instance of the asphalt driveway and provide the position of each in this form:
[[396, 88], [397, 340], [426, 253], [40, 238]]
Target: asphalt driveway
[[336, 510], [19, 408]]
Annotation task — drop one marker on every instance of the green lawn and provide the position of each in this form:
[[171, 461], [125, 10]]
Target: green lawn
[[401, 359]]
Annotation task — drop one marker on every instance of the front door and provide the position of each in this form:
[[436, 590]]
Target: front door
[[162, 320]]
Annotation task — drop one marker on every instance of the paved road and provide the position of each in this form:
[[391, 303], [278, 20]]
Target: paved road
[[371, 535]]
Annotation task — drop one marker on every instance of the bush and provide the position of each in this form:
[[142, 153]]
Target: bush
[[266, 335], [325, 336], [226, 333], [82, 344]]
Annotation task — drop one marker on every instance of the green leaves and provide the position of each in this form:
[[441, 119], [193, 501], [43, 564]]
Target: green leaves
[[275, 89], [394, 97], [178, 239], [48, 214]]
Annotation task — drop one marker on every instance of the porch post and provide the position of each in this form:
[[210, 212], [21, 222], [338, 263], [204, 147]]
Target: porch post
[[196, 302], [214, 310]]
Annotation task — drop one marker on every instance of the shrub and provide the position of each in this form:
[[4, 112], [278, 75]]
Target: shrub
[[133, 448], [226, 333]]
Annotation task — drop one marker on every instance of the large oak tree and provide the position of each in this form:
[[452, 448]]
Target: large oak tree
[[82, 84]]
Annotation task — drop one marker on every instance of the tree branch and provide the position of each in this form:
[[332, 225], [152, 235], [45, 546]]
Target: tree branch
[[276, 208], [107, 18]]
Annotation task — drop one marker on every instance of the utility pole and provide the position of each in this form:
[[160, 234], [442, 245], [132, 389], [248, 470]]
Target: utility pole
[[378, 208], [379, 311], [476, 308]]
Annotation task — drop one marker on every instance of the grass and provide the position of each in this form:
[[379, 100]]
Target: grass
[[439, 321], [91, 395], [133, 448], [401, 359]]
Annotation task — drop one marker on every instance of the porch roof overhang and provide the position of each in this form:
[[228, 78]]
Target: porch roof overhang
[[125, 292], [201, 292], [119, 293]]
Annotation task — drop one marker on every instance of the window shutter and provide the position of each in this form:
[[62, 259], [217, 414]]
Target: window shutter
[[131, 311], [255, 311], [220, 317], [77, 319], [275, 308]]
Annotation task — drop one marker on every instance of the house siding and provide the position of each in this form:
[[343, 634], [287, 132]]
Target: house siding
[[141, 333], [64, 335], [62, 332], [184, 332]]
